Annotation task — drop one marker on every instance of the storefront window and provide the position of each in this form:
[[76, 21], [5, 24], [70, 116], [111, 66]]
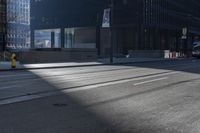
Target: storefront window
[[47, 38], [80, 38]]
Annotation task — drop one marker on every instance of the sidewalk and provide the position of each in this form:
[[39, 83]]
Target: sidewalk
[[5, 66]]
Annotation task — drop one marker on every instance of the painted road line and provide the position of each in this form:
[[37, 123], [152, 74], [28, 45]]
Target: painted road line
[[15, 75], [19, 99], [12, 87], [150, 81], [100, 84], [113, 83], [37, 95]]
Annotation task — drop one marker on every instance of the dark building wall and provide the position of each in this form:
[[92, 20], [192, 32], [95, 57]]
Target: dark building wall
[[137, 24], [2, 24], [171, 13], [65, 13], [127, 12], [67, 55], [154, 24], [165, 19]]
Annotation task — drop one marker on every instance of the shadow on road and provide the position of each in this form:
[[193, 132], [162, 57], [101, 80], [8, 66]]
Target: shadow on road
[[54, 114], [67, 113]]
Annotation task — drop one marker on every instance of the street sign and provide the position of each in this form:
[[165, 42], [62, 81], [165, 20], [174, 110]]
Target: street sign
[[184, 37], [184, 33], [106, 18]]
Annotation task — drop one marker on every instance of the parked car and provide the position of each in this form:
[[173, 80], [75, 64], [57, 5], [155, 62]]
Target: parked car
[[196, 51]]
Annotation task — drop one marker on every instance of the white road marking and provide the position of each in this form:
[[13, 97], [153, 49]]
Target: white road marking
[[150, 81], [89, 87], [15, 75], [67, 91], [98, 84], [19, 99], [114, 82], [12, 87]]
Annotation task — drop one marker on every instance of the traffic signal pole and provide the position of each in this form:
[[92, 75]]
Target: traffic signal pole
[[111, 29]]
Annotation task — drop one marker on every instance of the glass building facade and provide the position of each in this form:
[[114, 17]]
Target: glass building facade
[[18, 25]]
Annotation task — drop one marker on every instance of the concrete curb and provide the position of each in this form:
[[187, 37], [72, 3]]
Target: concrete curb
[[21, 69], [88, 65]]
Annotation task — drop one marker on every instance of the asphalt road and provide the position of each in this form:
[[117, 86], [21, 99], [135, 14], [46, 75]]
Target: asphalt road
[[157, 97]]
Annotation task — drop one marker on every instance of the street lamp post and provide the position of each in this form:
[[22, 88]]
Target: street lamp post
[[185, 35], [111, 29], [4, 47]]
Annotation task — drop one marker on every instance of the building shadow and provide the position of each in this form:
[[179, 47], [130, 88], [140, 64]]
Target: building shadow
[[77, 112]]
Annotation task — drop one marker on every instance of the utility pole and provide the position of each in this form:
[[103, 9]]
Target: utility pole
[[111, 29], [4, 47], [185, 35], [5, 34]]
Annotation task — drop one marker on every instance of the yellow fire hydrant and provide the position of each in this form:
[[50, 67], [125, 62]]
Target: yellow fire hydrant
[[13, 61]]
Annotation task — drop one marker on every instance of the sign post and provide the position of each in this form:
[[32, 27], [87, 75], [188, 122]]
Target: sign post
[[185, 38], [184, 33], [107, 22]]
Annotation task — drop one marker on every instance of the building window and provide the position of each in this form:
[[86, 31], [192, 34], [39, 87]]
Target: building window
[[80, 38], [49, 38]]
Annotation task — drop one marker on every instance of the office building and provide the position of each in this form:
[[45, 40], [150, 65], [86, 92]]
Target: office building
[[152, 26], [143, 28], [18, 25]]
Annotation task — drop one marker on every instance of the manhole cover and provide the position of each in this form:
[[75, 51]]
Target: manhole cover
[[60, 105]]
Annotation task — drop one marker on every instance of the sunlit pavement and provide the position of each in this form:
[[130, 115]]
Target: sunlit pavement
[[6, 66], [157, 97]]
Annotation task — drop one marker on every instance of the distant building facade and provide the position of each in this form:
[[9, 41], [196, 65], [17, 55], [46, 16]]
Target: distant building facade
[[139, 26], [155, 25], [18, 25], [2, 24]]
